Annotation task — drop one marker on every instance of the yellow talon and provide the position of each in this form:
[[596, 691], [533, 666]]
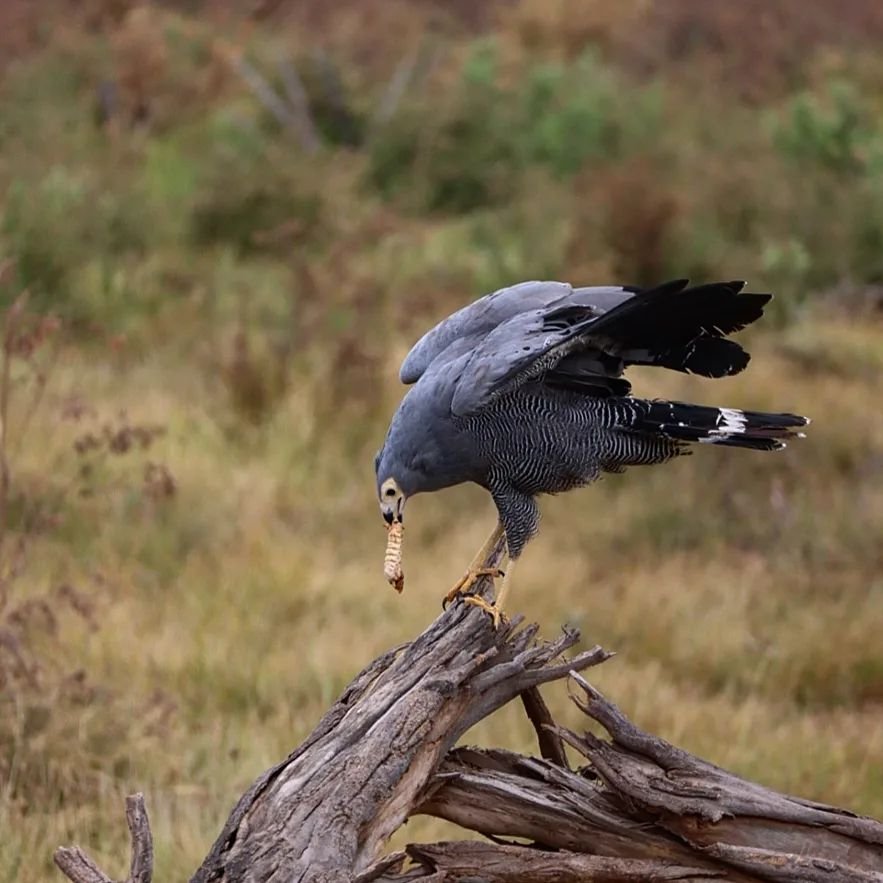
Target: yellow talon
[[468, 580], [493, 610], [478, 568]]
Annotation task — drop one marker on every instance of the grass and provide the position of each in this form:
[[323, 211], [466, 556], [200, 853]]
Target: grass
[[738, 591], [186, 610]]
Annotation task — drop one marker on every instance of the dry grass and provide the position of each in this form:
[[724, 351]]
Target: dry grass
[[743, 593], [212, 587]]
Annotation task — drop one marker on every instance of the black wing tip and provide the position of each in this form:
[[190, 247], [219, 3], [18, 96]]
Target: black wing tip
[[706, 357], [669, 287], [727, 300], [682, 282], [733, 286], [758, 297]]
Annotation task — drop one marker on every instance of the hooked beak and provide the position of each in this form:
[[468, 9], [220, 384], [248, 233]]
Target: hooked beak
[[393, 512]]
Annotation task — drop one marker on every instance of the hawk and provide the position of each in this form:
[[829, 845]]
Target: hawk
[[523, 393]]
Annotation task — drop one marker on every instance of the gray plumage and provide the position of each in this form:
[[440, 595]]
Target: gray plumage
[[522, 391]]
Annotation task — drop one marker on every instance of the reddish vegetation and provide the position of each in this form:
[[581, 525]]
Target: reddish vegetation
[[754, 46]]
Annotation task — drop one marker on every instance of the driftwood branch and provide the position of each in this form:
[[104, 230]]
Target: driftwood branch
[[636, 809], [81, 869]]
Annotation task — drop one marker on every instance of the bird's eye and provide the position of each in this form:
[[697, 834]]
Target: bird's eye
[[390, 492]]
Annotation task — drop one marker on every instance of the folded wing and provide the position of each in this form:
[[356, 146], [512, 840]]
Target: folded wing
[[475, 321], [578, 346]]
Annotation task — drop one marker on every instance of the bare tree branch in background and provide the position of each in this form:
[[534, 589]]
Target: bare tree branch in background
[[414, 67], [292, 112], [299, 105]]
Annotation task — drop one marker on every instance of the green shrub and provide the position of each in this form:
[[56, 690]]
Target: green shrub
[[832, 129], [866, 232], [237, 214], [454, 154], [53, 227], [247, 186], [467, 150], [571, 113]]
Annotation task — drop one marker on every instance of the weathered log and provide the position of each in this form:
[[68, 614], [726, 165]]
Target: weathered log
[[638, 809], [491, 863]]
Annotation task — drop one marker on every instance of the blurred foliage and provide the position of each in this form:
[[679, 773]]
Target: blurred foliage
[[49, 249], [148, 121], [242, 219], [472, 153], [832, 129]]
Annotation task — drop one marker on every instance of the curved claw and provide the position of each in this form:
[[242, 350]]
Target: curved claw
[[495, 613], [468, 580]]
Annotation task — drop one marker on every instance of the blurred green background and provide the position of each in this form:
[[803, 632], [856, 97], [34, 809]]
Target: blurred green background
[[221, 227]]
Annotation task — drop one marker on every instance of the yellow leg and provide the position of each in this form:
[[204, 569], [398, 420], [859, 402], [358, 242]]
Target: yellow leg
[[495, 610], [477, 568]]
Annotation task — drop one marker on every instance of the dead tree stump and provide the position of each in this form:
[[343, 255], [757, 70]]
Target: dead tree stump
[[635, 809]]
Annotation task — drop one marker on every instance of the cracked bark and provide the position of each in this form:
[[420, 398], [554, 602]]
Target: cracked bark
[[637, 808]]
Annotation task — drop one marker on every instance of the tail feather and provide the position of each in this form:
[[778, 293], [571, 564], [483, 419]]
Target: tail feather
[[729, 427]]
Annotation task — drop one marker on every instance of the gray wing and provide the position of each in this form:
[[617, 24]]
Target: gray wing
[[476, 321], [585, 348], [526, 346]]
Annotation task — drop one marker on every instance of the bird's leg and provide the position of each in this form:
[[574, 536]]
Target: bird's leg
[[495, 610], [478, 567]]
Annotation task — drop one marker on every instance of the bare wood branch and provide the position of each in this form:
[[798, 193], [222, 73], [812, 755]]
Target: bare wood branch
[[499, 793], [79, 868], [639, 809], [514, 864], [141, 867], [691, 793], [549, 740], [788, 869], [334, 802]]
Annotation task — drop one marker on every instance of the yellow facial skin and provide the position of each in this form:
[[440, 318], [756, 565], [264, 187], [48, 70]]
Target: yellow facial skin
[[392, 504], [392, 501]]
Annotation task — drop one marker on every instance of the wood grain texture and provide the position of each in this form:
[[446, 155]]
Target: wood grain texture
[[637, 808]]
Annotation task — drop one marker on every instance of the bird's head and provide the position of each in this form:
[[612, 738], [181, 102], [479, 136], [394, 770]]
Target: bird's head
[[392, 501], [394, 482], [392, 497], [416, 456], [400, 475]]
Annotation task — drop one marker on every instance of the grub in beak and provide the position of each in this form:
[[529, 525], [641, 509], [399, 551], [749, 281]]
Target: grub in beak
[[392, 562]]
